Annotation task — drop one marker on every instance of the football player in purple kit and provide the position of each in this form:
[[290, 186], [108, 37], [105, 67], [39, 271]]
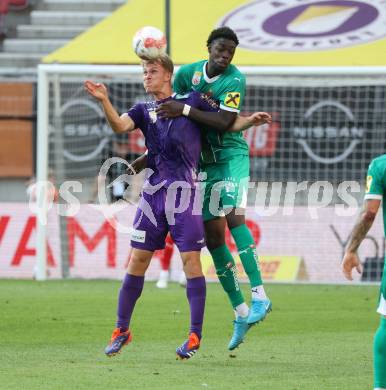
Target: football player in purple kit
[[174, 147]]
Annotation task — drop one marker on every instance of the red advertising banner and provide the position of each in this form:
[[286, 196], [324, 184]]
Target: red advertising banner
[[292, 244]]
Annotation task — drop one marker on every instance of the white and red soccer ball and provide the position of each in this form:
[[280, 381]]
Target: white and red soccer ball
[[149, 42]]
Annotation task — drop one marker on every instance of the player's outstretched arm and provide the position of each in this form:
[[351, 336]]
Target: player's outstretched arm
[[363, 225], [245, 122], [221, 120], [119, 124]]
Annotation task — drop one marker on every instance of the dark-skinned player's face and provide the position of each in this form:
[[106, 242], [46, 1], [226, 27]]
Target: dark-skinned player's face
[[221, 52]]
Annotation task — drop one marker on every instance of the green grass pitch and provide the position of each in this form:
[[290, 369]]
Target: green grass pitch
[[52, 336]]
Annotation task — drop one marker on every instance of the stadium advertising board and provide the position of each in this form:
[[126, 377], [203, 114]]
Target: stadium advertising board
[[318, 133], [306, 33], [325, 133], [292, 246]]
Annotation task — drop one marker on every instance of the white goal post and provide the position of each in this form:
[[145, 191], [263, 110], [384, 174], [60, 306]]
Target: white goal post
[[328, 123]]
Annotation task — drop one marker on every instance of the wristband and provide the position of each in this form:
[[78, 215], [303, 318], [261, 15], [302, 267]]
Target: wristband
[[186, 110]]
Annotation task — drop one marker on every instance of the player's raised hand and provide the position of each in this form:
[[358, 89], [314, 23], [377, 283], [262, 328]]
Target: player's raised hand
[[169, 109], [350, 261], [260, 118], [97, 90]]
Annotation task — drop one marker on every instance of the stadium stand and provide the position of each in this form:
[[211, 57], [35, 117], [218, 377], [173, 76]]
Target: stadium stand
[[29, 29], [50, 24]]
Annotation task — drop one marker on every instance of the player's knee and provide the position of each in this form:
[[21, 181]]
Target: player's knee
[[235, 218], [192, 268], [214, 238], [138, 264]]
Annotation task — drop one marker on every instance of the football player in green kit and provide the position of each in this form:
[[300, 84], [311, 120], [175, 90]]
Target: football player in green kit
[[225, 160], [375, 194]]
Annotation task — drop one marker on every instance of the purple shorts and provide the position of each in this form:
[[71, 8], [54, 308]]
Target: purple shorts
[[165, 211]]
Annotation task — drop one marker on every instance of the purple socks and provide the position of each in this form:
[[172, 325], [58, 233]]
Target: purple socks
[[196, 293], [132, 288], [129, 293]]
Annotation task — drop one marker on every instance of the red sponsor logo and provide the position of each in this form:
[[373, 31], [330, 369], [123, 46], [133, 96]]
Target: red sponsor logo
[[262, 139], [76, 233]]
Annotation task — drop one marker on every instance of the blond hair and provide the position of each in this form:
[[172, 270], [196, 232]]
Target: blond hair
[[164, 60]]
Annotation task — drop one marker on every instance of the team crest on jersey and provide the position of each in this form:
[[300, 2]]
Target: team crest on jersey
[[196, 78], [153, 116], [232, 99]]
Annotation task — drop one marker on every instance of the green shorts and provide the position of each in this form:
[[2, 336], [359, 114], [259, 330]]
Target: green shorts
[[382, 296], [226, 186]]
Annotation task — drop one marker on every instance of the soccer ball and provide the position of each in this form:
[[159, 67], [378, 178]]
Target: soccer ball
[[149, 42]]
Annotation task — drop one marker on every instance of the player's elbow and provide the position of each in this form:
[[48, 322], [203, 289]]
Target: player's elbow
[[121, 127], [369, 216], [118, 128], [225, 124]]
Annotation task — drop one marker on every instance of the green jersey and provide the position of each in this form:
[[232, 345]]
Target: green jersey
[[376, 189], [376, 182], [228, 89]]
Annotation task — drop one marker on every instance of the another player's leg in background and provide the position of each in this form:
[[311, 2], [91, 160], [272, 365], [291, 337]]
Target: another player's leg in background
[[260, 305], [196, 294], [380, 342], [128, 295], [165, 259], [380, 356], [227, 275]]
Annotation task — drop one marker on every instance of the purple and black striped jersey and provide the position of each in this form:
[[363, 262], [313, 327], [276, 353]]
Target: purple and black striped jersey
[[174, 144]]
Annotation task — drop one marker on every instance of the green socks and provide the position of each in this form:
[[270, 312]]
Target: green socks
[[226, 272], [380, 356], [248, 255]]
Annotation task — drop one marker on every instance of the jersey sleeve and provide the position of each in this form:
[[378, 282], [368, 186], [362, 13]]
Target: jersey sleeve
[[136, 113], [181, 80], [206, 103], [233, 96], [374, 183]]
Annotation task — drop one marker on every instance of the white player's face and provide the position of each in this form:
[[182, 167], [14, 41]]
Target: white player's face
[[154, 78]]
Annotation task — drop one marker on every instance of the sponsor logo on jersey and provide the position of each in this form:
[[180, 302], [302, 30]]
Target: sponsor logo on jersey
[[316, 135], [138, 235], [196, 78], [308, 26], [232, 99], [209, 100], [369, 180]]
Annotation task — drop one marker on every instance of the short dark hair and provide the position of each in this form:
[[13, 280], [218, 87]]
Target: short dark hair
[[164, 60], [222, 32]]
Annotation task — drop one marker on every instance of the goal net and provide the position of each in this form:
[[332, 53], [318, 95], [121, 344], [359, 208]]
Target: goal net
[[307, 170]]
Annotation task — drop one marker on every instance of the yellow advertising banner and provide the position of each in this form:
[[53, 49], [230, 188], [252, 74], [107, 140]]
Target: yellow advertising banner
[[291, 32], [273, 268]]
